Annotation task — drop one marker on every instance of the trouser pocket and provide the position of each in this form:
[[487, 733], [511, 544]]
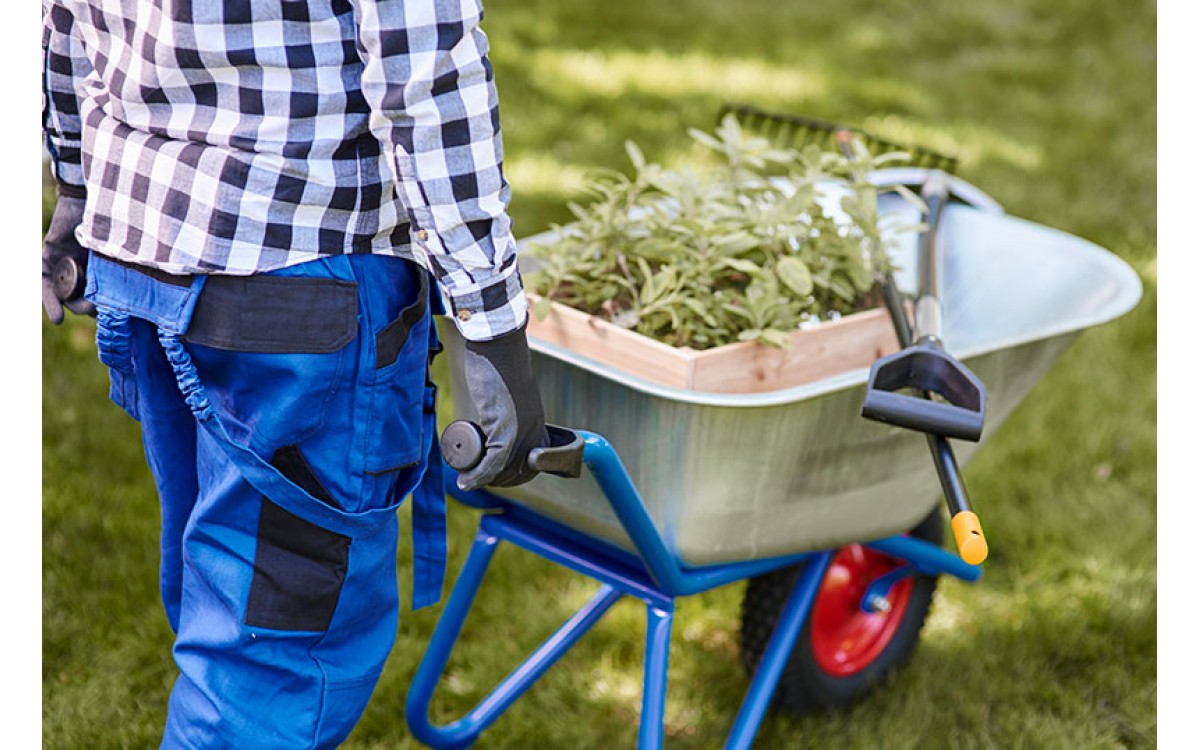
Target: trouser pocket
[[397, 318], [274, 351]]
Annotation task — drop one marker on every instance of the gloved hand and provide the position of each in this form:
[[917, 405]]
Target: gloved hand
[[500, 381], [60, 244]]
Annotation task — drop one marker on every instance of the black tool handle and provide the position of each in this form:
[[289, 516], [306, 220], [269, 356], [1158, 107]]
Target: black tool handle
[[930, 370], [937, 423], [923, 415]]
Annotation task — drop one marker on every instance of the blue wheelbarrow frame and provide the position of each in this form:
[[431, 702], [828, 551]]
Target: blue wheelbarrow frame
[[653, 575]]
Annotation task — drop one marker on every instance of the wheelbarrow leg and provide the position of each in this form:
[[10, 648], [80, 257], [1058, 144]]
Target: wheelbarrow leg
[[464, 732], [659, 616], [779, 648]]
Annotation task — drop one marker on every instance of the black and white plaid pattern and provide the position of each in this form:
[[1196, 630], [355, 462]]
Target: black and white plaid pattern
[[240, 137]]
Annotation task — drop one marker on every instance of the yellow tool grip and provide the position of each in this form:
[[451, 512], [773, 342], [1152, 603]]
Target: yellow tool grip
[[968, 537]]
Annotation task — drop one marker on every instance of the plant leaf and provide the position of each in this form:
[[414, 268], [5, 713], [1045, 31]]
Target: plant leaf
[[795, 275], [541, 308], [635, 155]]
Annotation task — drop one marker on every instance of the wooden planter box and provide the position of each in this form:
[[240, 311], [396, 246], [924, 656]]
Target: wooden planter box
[[827, 349]]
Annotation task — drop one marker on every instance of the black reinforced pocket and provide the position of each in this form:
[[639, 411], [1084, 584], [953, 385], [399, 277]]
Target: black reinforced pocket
[[395, 410], [299, 567], [391, 340], [275, 314]]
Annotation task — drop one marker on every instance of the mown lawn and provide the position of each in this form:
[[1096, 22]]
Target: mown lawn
[[1052, 108]]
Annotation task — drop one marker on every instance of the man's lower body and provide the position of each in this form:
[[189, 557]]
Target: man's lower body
[[284, 416]]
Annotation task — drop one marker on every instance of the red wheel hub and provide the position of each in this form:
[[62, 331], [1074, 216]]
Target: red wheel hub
[[845, 638]]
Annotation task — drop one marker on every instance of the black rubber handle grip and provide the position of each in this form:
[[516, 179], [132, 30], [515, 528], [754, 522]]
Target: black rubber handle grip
[[921, 414], [69, 279], [928, 370], [463, 447]]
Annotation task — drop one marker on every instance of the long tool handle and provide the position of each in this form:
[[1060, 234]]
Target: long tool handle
[[927, 311], [927, 331], [968, 533]]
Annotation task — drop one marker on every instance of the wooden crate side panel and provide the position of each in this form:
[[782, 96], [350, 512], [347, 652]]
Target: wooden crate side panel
[[828, 349], [613, 345], [849, 343]]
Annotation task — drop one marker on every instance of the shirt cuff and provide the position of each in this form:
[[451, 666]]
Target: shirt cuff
[[491, 311], [67, 190]]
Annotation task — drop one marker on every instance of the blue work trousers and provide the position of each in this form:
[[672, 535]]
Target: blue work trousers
[[285, 416]]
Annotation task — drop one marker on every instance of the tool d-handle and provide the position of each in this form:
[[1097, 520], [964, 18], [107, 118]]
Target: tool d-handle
[[923, 365], [463, 448]]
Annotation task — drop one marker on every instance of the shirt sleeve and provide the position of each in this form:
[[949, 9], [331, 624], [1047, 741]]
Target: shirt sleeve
[[64, 66], [433, 103]]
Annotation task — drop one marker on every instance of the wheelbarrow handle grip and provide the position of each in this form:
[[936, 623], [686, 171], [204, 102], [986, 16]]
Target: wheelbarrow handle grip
[[69, 279], [463, 447]]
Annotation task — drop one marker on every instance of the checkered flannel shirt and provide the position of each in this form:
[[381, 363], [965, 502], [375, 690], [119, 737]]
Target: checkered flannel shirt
[[242, 137]]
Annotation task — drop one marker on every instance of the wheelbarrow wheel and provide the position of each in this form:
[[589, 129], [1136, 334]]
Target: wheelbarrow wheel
[[842, 651]]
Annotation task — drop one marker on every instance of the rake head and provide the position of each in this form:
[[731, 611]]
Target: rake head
[[797, 131]]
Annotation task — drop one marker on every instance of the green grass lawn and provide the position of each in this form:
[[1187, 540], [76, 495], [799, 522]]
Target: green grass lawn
[[1052, 109]]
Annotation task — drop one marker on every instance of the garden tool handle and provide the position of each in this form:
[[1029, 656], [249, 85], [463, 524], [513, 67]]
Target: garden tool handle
[[463, 448], [968, 533], [927, 324], [927, 310]]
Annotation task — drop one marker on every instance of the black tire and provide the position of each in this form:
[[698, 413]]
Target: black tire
[[805, 686]]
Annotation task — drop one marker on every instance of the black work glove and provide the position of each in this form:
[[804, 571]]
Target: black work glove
[[59, 245], [500, 381]]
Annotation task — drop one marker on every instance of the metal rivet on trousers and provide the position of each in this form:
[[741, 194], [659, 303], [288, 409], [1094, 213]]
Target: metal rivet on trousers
[[422, 235], [464, 315]]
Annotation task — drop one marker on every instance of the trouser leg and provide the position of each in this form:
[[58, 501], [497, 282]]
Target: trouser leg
[[283, 625], [144, 385]]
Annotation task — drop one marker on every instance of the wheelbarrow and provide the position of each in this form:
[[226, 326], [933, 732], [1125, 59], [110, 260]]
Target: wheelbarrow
[[659, 493]]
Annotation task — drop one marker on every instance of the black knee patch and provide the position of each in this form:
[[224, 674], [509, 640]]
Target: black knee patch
[[299, 567]]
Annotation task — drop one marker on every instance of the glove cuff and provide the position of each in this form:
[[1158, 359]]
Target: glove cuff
[[67, 190]]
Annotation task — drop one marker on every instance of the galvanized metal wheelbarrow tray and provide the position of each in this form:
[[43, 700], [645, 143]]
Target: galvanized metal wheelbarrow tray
[[709, 488]]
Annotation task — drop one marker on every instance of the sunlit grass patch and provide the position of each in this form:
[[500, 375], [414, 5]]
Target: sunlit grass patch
[[613, 74]]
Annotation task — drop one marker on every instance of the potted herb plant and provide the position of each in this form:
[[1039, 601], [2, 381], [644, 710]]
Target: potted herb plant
[[754, 269]]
